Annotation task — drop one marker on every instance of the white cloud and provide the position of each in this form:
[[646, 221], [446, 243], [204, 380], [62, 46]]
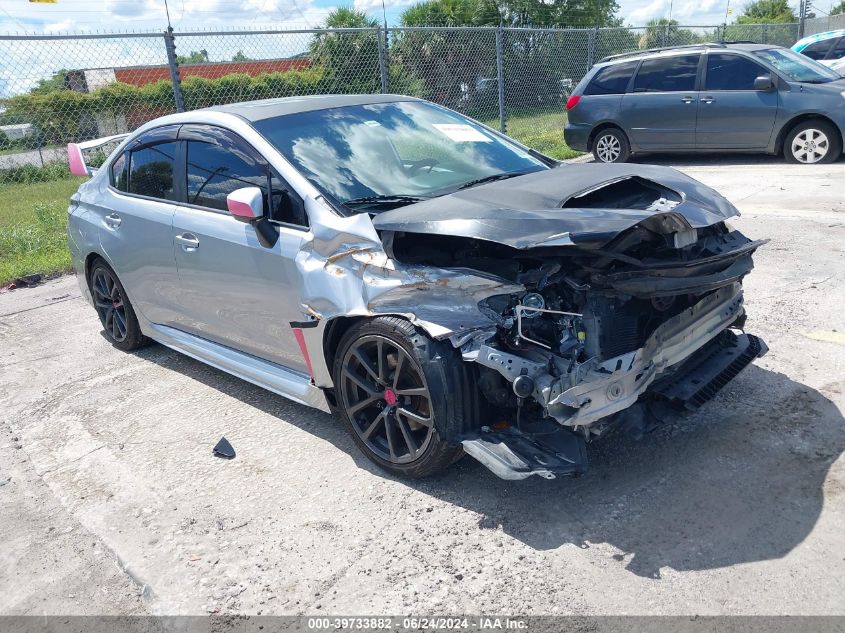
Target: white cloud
[[375, 5], [687, 12]]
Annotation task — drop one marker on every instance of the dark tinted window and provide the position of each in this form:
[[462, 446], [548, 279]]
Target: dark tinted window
[[817, 50], [611, 80], [838, 50], [215, 171], [151, 171], [667, 74], [120, 173], [732, 72]]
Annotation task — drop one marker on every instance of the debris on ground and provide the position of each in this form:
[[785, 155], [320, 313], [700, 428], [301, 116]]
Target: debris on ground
[[224, 449]]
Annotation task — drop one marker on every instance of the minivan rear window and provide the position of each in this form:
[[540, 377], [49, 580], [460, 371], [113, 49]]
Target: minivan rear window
[[611, 80], [667, 74]]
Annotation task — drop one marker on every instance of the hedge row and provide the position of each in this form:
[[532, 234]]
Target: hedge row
[[66, 115]]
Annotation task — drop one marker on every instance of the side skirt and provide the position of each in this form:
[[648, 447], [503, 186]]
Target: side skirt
[[284, 382]]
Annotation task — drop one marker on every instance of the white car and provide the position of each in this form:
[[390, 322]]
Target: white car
[[826, 48]]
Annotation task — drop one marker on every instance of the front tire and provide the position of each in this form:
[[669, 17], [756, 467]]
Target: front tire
[[401, 395], [114, 309], [611, 146], [812, 142]]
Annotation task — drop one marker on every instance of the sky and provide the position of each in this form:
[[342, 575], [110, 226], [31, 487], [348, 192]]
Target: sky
[[142, 15]]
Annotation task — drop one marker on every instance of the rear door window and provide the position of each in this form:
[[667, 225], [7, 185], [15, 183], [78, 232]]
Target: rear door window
[[667, 74], [731, 72], [611, 80], [151, 171], [817, 50]]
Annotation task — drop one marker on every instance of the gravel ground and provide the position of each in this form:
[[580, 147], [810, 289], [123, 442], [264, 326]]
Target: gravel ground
[[111, 502]]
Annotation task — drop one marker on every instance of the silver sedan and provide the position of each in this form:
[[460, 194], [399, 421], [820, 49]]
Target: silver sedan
[[439, 286]]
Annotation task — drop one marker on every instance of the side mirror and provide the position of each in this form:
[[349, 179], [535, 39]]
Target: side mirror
[[764, 83], [246, 204]]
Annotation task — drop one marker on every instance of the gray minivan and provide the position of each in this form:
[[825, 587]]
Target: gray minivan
[[709, 97]]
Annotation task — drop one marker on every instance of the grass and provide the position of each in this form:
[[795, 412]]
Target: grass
[[33, 222], [541, 131]]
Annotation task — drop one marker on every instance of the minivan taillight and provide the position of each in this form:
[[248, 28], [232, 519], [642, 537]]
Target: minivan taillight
[[572, 101]]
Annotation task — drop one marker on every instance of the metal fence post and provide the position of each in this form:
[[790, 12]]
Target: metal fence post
[[592, 36], [382, 58], [170, 47], [500, 80]]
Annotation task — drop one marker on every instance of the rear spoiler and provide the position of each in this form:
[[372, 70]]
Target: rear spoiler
[[75, 158]]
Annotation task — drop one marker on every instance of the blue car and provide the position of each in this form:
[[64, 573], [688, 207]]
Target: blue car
[[709, 98]]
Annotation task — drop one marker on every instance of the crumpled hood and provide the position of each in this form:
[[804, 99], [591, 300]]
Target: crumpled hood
[[525, 211]]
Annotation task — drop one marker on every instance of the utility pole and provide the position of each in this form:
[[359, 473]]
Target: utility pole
[[802, 15]]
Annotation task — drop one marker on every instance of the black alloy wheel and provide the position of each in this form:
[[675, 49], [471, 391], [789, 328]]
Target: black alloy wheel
[[109, 302], [385, 395]]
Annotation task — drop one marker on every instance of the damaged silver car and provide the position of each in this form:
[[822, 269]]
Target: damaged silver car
[[440, 287]]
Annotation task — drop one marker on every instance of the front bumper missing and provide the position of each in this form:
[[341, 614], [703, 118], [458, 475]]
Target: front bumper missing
[[664, 368]]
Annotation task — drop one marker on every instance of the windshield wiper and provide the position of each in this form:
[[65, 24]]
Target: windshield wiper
[[384, 200], [492, 178]]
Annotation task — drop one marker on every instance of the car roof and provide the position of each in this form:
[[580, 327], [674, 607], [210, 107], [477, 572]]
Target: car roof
[[818, 37], [689, 48], [270, 108]]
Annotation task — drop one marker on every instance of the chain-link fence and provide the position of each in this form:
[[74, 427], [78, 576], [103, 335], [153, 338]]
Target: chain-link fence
[[824, 23], [56, 89]]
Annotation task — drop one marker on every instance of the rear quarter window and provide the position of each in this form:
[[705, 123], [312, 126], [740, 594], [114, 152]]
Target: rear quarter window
[[611, 80]]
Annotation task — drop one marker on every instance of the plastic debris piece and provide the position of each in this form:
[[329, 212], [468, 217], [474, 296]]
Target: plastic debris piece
[[27, 281], [224, 449]]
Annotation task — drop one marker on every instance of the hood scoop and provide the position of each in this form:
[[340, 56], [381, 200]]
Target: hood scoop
[[627, 192]]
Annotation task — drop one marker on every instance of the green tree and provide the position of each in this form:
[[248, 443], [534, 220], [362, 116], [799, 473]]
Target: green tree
[[195, 57], [350, 59], [240, 57], [839, 8], [664, 32], [767, 11], [51, 84]]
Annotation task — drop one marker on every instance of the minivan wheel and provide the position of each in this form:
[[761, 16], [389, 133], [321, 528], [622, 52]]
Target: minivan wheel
[[391, 388], [611, 146], [812, 142], [114, 309]]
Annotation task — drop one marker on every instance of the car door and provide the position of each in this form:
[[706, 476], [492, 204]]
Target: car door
[[136, 223], [660, 112], [234, 290], [731, 114]]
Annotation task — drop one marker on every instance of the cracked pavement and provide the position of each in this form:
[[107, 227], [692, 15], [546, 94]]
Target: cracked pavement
[[112, 503]]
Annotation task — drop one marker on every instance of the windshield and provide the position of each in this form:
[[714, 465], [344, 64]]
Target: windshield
[[385, 155], [797, 67]]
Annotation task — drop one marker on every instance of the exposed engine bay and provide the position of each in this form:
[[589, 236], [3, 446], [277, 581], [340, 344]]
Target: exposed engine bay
[[584, 300], [599, 326]]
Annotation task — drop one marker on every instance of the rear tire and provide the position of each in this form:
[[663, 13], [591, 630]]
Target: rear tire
[[114, 308], [403, 410], [813, 142], [610, 145]]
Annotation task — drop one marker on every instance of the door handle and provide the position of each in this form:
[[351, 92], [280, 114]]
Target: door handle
[[188, 241], [688, 99], [113, 220], [707, 100]]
